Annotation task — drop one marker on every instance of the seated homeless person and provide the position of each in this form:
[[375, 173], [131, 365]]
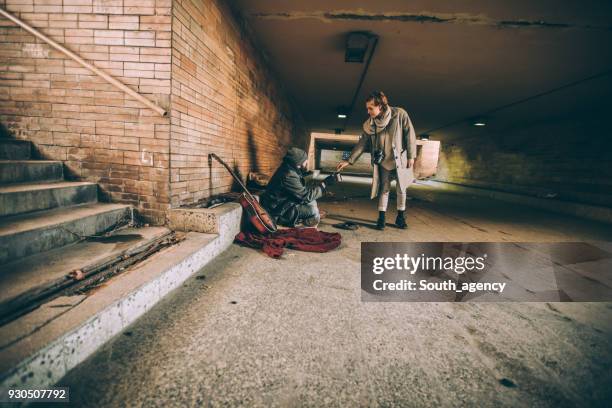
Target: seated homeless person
[[287, 198], [390, 135]]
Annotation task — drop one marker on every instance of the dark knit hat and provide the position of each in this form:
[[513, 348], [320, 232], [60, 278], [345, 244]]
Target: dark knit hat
[[295, 156]]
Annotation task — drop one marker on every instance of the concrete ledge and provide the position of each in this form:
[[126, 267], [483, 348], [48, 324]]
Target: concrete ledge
[[206, 220], [41, 357], [591, 212]]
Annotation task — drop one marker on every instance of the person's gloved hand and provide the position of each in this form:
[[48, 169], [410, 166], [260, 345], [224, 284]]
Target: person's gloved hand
[[329, 180], [304, 172]]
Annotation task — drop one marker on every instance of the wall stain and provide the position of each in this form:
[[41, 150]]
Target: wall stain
[[417, 18], [524, 23], [423, 17]]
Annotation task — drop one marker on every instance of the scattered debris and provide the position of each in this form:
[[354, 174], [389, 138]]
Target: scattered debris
[[507, 383], [347, 225], [76, 275], [98, 275], [258, 179], [215, 200], [84, 280]]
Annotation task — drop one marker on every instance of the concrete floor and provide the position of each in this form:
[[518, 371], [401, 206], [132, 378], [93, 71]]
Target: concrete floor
[[249, 330]]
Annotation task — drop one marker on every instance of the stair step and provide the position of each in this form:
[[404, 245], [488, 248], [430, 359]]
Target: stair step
[[28, 197], [36, 273], [27, 234], [57, 336], [24, 171], [15, 149]]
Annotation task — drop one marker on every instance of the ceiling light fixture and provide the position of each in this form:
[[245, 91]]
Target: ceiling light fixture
[[342, 112], [357, 44], [479, 121]]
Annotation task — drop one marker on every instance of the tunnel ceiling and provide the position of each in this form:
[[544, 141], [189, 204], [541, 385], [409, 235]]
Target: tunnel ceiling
[[444, 61]]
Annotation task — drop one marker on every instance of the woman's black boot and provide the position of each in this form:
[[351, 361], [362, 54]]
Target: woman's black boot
[[380, 223], [400, 221]]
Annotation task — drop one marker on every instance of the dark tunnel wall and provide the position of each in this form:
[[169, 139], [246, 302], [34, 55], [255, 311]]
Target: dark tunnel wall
[[564, 157]]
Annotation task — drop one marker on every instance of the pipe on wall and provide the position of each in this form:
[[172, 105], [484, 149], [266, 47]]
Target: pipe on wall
[[84, 63]]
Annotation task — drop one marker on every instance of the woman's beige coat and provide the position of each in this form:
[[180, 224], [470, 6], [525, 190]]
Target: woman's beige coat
[[404, 147]]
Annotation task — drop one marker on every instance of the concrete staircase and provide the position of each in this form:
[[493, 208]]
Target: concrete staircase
[[43, 222], [40, 211]]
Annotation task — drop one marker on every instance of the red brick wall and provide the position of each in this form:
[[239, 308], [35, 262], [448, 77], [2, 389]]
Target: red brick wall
[[70, 114], [192, 57], [224, 100]]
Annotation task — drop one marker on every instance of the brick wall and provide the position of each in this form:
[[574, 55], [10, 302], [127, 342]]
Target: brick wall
[[567, 157], [224, 100], [70, 114], [192, 57]]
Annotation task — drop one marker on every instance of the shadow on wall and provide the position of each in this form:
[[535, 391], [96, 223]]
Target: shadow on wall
[[252, 151], [4, 132], [235, 186], [252, 165]]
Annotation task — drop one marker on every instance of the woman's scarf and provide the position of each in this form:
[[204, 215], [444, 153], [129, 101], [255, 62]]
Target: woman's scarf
[[377, 125]]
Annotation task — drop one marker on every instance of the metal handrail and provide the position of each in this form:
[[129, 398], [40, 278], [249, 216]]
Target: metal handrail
[[84, 63]]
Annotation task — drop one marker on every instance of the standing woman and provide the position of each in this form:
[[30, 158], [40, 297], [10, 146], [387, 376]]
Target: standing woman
[[389, 134]]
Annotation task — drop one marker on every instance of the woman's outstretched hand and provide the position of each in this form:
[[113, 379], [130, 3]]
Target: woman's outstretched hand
[[341, 165]]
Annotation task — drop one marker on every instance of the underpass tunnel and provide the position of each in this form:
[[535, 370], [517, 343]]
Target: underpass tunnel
[[514, 98], [139, 138]]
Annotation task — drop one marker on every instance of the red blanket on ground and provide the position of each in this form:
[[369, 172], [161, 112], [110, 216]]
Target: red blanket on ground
[[303, 239]]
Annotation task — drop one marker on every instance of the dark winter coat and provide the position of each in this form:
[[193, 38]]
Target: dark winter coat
[[287, 189]]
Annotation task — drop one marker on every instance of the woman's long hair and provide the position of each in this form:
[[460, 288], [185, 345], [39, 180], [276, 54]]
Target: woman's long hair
[[379, 99]]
